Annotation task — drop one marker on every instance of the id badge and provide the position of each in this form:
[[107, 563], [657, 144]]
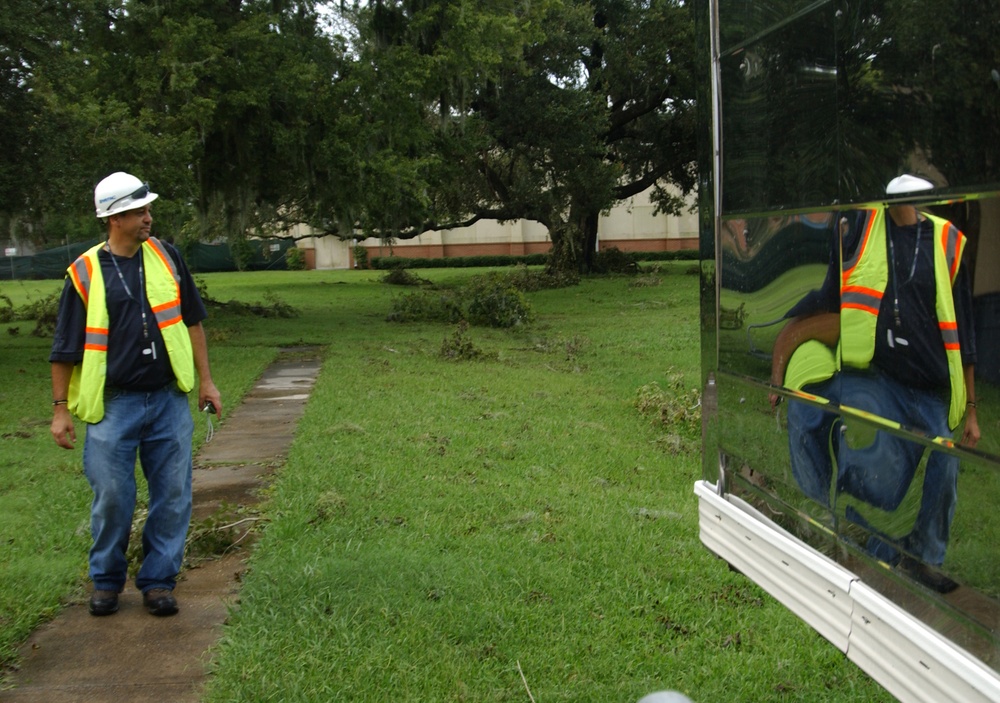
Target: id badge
[[149, 353]]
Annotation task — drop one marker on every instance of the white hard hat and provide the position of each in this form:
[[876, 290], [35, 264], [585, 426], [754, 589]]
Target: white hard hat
[[120, 192], [907, 184]]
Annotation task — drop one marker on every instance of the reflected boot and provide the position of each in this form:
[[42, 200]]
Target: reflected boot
[[880, 548], [927, 575]]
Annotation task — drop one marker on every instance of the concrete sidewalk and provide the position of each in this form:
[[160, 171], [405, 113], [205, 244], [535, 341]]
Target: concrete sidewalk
[[132, 655]]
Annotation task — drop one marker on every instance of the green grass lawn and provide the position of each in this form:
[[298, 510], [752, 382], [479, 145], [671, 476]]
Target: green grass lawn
[[504, 529]]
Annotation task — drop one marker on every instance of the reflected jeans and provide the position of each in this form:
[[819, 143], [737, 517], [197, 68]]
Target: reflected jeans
[[881, 473], [158, 426]]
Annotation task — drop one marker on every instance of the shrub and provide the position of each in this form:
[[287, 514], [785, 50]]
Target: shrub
[[649, 280], [428, 306], [528, 281], [295, 259], [402, 277], [459, 347], [489, 300], [360, 257], [496, 260], [7, 313], [495, 302], [500, 260], [674, 408], [615, 260], [272, 306], [676, 255], [43, 312], [387, 263]]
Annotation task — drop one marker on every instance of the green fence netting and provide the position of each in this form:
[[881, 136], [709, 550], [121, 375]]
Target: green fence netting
[[201, 258]]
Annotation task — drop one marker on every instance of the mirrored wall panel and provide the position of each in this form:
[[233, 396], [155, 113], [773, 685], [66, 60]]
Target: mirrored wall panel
[[779, 117], [858, 388], [856, 285], [830, 101]]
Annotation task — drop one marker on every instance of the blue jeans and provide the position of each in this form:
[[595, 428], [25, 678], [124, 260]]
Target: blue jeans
[[158, 426], [881, 473], [812, 442]]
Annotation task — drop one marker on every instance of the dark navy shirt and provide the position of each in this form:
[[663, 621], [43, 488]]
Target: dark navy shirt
[[128, 367], [911, 352]]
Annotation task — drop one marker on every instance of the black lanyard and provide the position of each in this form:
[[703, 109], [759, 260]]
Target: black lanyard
[[128, 291], [892, 257]]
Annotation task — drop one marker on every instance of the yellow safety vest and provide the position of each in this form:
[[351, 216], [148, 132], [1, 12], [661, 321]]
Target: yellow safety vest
[[863, 282], [86, 388], [811, 362]]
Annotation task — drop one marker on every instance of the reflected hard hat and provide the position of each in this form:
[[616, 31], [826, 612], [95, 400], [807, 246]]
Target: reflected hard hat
[[907, 184], [120, 192]]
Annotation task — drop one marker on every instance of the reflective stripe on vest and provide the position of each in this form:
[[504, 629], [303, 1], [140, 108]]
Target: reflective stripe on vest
[[947, 259], [79, 272], [86, 389], [96, 339]]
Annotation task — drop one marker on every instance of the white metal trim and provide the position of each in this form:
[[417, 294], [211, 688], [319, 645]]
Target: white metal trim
[[912, 661], [811, 585]]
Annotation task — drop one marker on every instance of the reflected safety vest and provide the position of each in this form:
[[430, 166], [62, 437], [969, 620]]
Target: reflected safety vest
[[863, 282], [86, 387]]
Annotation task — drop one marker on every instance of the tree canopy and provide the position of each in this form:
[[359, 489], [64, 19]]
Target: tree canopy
[[250, 116], [550, 111], [389, 118]]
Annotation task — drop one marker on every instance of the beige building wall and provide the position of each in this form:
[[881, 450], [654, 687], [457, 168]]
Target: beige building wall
[[630, 226]]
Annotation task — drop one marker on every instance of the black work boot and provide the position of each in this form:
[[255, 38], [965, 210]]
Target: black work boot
[[103, 602], [159, 601]]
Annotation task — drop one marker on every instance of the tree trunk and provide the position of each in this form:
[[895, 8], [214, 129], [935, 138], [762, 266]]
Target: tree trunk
[[590, 221], [574, 241], [565, 255]]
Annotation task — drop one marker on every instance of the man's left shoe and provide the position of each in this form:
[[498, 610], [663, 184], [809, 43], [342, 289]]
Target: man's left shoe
[[103, 602], [159, 601]]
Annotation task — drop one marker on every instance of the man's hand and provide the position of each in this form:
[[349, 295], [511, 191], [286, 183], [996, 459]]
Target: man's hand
[[208, 393], [970, 436], [774, 399], [62, 428]]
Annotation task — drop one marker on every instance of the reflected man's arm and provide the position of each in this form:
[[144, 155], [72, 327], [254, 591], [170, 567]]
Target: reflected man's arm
[[970, 436], [824, 326]]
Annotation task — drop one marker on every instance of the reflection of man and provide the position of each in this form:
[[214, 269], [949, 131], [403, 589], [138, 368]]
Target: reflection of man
[[902, 317]]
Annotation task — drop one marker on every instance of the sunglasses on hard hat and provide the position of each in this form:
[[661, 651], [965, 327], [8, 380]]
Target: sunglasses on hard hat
[[141, 192]]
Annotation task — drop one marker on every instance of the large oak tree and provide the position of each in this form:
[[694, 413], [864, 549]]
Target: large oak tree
[[551, 111]]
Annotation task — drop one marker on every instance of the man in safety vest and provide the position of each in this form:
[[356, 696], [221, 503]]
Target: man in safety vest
[[890, 334], [127, 346]]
